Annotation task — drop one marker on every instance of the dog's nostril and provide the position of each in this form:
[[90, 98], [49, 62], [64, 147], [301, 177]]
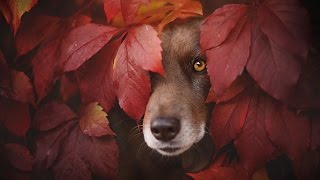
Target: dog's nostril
[[165, 129], [155, 131]]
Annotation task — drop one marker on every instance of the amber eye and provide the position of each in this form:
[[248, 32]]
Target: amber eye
[[199, 65]]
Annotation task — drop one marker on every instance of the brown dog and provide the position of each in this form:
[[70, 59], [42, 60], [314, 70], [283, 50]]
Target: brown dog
[[176, 113]]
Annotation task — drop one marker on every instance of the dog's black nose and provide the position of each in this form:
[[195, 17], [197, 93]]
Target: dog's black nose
[[165, 129]]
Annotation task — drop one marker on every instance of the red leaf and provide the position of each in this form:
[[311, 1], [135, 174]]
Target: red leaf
[[132, 83], [143, 48], [42, 27], [22, 87], [238, 86], [68, 87], [243, 119], [111, 8], [292, 25], [129, 9], [306, 95], [228, 119], [226, 35], [82, 155], [52, 115], [307, 167], [96, 80], [44, 65], [221, 173], [253, 144], [279, 44], [94, 122], [5, 80], [48, 63], [18, 8], [315, 133], [4, 8], [218, 171], [287, 130], [229, 58], [48, 145], [83, 42], [219, 24], [15, 116], [19, 156]]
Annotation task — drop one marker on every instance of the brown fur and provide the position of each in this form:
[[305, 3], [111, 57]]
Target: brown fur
[[182, 89], [180, 94]]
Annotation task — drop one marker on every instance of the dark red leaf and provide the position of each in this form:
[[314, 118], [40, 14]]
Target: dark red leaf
[[19, 156], [315, 133], [9, 172], [307, 167], [5, 79], [239, 85], [229, 58], [228, 119], [49, 144], [111, 8], [279, 45], [277, 78], [279, 42], [82, 155], [68, 87], [22, 87], [83, 42], [243, 119], [78, 21], [96, 79], [52, 115], [94, 122], [307, 91], [48, 63], [218, 25], [44, 65], [287, 130], [18, 8], [15, 116], [292, 22], [4, 8], [129, 9], [14, 84], [42, 27]]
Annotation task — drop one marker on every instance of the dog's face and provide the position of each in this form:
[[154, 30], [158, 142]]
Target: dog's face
[[176, 113]]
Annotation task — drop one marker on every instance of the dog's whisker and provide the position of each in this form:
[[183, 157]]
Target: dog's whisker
[[118, 123], [141, 145], [135, 137]]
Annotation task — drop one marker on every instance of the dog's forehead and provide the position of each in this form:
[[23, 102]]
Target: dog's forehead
[[181, 40]]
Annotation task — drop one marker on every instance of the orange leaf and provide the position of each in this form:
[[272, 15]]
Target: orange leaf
[[18, 8], [94, 121]]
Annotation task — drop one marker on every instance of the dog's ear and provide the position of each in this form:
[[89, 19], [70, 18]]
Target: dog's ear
[[199, 156]]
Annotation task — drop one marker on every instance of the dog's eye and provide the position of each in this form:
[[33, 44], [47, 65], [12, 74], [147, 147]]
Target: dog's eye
[[199, 65]]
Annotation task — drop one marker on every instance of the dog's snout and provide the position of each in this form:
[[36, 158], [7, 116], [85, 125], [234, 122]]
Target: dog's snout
[[165, 129]]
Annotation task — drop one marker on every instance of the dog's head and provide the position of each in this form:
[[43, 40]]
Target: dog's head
[[176, 113]]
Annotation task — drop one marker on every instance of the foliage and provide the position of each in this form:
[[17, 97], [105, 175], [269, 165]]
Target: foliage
[[260, 60]]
